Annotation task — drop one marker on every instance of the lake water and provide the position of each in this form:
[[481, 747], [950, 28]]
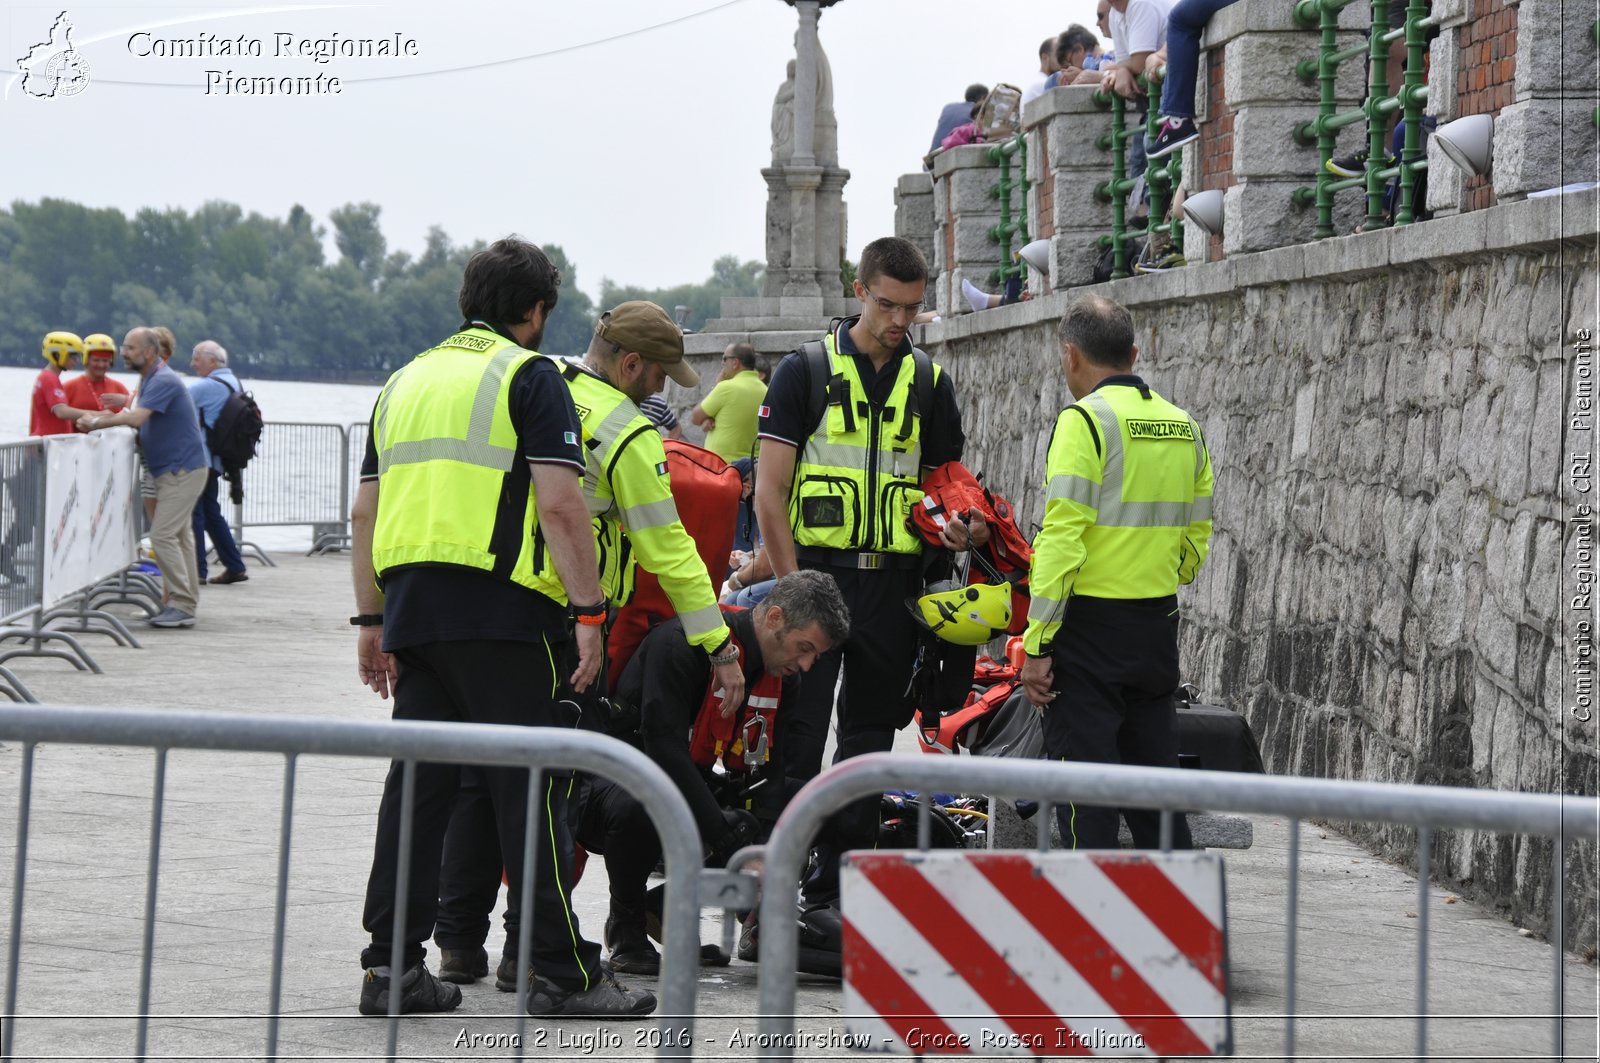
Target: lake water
[[292, 479]]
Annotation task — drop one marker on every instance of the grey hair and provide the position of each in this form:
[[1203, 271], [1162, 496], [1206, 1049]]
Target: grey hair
[[808, 597], [214, 349], [1102, 329]]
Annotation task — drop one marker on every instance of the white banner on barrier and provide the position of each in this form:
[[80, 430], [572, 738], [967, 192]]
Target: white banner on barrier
[[91, 525]]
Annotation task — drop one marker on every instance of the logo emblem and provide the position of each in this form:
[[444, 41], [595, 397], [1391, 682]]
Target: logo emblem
[[53, 69]]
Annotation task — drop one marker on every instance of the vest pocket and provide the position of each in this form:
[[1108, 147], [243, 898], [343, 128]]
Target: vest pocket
[[894, 507], [830, 502]]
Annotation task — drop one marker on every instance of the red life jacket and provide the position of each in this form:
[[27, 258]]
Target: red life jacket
[[706, 490], [951, 488], [743, 741]]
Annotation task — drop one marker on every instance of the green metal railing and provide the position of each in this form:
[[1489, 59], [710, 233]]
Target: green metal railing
[[1012, 223], [1162, 177], [1323, 15]]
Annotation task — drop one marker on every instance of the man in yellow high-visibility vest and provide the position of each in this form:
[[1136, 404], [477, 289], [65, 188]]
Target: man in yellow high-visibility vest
[[472, 550], [1127, 520]]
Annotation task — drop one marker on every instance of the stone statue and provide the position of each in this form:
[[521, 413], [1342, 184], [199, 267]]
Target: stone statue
[[825, 145], [783, 120]]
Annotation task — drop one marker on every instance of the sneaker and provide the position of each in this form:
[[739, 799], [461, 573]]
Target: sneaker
[[172, 616], [419, 991], [463, 966], [1354, 164], [1173, 134], [750, 942], [234, 577], [606, 999], [1166, 263], [505, 975]]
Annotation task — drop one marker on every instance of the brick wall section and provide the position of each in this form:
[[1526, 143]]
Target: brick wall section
[[1216, 139], [1044, 221], [1488, 44]]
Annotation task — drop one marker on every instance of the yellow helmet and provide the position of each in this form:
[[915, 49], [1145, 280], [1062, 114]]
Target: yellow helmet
[[966, 616], [99, 343], [59, 348]]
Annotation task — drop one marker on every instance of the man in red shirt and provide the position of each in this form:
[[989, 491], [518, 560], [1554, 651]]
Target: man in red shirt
[[52, 414], [95, 389]]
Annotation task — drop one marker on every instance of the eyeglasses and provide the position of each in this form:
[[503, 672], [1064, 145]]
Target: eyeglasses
[[911, 309]]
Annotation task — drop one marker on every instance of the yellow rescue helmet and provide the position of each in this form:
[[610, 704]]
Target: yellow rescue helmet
[[60, 347], [99, 343], [966, 616]]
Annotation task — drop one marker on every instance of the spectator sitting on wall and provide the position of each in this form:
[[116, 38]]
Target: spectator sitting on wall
[[1047, 66], [660, 414], [1074, 55], [1355, 163], [96, 389], [979, 299], [965, 133], [1185, 23], [1138, 27], [955, 114]]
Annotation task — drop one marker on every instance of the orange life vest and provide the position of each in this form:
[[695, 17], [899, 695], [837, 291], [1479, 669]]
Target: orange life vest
[[742, 741]]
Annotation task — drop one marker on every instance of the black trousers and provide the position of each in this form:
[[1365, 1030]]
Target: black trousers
[[479, 681], [602, 817], [1116, 669], [877, 660]]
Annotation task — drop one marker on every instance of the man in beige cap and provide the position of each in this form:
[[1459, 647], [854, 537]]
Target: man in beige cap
[[644, 329]]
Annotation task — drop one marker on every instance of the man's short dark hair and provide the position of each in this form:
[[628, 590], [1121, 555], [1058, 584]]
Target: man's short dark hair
[[505, 280], [746, 355], [896, 257], [976, 92], [1047, 46], [1102, 329], [810, 597], [1075, 37]]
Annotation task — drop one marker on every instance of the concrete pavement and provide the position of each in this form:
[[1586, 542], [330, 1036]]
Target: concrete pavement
[[279, 645]]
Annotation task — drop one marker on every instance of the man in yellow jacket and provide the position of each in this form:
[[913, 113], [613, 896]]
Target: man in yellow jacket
[[636, 347], [1127, 520]]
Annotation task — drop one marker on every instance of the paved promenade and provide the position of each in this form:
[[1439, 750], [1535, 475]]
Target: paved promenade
[[279, 645]]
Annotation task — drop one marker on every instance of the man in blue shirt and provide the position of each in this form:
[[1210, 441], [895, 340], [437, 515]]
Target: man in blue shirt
[[169, 436], [210, 389]]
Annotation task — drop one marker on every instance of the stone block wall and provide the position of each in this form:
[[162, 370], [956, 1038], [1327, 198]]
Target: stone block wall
[[1385, 414]]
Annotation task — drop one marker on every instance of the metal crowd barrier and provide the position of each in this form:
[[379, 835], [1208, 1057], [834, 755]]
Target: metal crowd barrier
[[45, 618], [536, 748], [1168, 789], [21, 544], [300, 475]]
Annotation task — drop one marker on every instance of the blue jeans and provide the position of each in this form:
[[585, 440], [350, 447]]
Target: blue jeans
[[208, 521], [1185, 23]]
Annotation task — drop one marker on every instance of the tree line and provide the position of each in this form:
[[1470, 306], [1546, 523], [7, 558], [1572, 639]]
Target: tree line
[[265, 288]]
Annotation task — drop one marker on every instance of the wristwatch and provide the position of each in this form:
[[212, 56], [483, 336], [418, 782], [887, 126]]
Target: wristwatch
[[367, 620]]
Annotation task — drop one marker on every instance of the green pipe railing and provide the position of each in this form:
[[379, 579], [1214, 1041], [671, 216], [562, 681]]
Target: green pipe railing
[[1323, 15], [1010, 226], [1162, 177]]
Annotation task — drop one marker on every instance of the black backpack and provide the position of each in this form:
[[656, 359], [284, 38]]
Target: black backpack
[[237, 431]]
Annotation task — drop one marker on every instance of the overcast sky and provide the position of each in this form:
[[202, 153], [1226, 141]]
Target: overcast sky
[[633, 137]]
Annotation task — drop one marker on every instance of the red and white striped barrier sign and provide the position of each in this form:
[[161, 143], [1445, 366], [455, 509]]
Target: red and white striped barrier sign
[[1046, 954]]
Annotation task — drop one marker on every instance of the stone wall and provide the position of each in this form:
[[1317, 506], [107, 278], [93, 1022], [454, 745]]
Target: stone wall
[[1386, 418]]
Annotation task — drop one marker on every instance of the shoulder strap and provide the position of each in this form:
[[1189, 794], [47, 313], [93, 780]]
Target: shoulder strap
[[920, 401], [815, 356]]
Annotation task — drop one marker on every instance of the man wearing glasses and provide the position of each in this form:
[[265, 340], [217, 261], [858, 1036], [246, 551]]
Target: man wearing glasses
[[850, 425], [728, 413]]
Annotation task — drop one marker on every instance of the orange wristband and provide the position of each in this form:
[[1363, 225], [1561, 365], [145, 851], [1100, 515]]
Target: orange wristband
[[594, 620]]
